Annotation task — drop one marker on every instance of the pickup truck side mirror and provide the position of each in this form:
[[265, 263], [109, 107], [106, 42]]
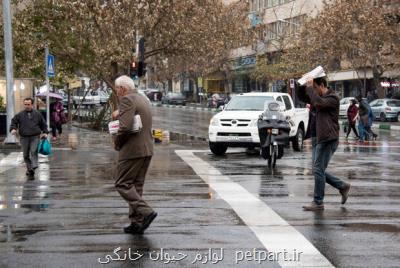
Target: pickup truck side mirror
[[221, 108]]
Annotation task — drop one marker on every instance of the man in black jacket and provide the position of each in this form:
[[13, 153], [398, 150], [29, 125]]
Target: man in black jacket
[[326, 104], [30, 125]]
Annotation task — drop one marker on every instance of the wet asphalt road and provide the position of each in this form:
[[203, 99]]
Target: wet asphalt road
[[71, 216]]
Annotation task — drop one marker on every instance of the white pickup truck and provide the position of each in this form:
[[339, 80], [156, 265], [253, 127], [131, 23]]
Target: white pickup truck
[[236, 125]]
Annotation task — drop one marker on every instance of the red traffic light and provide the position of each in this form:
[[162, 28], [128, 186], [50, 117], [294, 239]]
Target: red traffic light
[[133, 64]]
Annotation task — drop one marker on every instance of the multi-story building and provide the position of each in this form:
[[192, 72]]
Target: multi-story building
[[278, 22]]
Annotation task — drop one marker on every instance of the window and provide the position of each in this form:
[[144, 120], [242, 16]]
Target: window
[[377, 103], [283, 28], [393, 103], [288, 104], [273, 3]]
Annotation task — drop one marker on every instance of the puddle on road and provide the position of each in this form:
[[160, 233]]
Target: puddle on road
[[368, 227], [9, 234]]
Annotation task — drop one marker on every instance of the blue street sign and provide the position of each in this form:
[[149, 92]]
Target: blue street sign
[[50, 65]]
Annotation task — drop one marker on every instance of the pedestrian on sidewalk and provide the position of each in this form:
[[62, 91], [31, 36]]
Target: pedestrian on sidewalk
[[327, 129], [352, 112], [57, 119], [31, 127], [135, 153]]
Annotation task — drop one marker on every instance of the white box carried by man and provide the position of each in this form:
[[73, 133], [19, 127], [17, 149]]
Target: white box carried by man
[[137, 125]]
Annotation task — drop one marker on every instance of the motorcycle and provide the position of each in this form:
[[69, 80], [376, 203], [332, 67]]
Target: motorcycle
[[273, 130]]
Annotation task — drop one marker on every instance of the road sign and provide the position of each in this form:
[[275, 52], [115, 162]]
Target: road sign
[[50, 65]]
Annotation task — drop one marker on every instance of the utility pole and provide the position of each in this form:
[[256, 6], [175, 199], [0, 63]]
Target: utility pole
[[8, 51], [46, 56]]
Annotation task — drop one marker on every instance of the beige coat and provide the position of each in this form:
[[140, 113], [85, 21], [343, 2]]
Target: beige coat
[[134, 145]]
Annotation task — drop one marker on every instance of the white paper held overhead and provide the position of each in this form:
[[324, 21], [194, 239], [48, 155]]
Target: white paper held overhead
[[316, 73]]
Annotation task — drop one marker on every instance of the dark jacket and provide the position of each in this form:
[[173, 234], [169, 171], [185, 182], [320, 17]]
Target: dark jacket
[[327, 117], [29, 126], [134, 145], [311, 128], [352, 112]]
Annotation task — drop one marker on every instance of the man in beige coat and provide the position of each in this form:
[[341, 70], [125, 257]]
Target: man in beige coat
[[135, 152]]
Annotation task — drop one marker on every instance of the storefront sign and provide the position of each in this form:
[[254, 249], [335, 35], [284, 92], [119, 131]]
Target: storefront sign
[[388, 84], [245, 62]]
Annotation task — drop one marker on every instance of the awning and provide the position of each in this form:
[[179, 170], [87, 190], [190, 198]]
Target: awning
[[394, 73], [349, 75]]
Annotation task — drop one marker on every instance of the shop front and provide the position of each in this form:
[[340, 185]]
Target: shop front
[[241, 81]]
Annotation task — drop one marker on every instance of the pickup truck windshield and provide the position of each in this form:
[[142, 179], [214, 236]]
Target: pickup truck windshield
[[248, 103]]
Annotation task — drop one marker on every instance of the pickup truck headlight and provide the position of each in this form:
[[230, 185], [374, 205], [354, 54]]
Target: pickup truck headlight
[[253, 123], [214, 122]]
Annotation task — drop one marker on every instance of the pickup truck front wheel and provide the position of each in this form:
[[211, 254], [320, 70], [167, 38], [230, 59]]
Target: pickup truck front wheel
[[298, 140], [218, 149]]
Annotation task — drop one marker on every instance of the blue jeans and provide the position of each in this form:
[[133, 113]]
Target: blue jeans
[[322, 154]]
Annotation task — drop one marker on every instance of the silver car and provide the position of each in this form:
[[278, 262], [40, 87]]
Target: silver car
[[385, 109]]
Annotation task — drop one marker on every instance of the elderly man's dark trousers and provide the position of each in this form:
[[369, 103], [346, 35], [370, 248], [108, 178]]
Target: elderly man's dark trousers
[[30, 150], [129, 183]]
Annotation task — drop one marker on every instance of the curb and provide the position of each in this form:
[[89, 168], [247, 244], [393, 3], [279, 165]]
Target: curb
[[383, 126], [185, 107]]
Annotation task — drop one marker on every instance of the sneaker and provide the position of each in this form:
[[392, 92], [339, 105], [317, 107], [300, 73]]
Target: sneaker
[[313, 207], [345, 193], [134, 228]]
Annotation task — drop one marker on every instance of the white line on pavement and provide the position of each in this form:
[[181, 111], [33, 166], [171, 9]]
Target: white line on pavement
[[273, 231], [11, 161]]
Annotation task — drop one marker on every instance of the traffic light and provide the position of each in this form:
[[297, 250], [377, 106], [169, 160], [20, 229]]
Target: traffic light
[[133, 70]]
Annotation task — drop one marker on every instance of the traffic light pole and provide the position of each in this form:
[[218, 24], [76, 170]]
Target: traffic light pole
[[8, 51]]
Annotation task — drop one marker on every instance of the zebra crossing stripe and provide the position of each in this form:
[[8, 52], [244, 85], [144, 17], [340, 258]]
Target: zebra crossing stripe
[[11, 161], [273, 231]]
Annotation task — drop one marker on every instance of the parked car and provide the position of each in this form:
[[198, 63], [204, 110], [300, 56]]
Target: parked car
[[236, 125], [174, 98], [142, 92], [386, 109], [154, 94], [92, 98], [216, 100], [104, 95]]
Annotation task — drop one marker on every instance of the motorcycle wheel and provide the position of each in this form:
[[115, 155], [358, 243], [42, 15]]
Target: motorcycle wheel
[[272, 158]]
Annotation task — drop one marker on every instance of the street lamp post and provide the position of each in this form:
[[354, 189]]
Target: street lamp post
[[8, 51]]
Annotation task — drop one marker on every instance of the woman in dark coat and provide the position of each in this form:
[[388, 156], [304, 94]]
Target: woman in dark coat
[[351, 118]]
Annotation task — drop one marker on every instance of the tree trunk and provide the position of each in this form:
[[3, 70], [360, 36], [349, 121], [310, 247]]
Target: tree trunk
[[377, 82]]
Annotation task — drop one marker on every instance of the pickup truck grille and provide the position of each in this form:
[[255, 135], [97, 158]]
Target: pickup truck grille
[[234, 134], [235, 122]]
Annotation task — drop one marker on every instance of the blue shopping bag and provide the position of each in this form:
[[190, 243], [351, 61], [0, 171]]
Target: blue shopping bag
[[44, 147]]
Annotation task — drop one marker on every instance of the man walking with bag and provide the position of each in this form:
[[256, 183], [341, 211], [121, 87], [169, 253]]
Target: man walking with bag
[[135, 152], [327, 130], [30, 125]]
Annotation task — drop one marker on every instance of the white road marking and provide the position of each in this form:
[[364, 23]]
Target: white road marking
[[16, 159], [11, 161], [273, 231]]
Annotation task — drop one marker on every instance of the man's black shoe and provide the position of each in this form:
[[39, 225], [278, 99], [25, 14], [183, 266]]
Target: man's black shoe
[[148, 220], [134, 228], [30, 172]]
